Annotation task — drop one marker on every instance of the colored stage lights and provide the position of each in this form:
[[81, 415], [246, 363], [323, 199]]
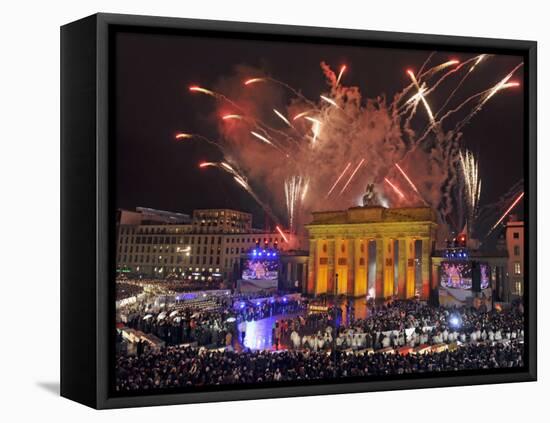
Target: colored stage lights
[[263, 253]]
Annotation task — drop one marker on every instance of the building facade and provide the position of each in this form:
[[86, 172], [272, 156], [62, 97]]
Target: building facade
[[293, 270], [515, 245], [375, 250], [224, 221], [208, 246]]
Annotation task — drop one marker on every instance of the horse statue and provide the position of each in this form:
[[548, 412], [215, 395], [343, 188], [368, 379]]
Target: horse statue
[[370, 199]]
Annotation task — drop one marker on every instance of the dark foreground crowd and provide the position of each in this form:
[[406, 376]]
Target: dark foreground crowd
[[178, 367]]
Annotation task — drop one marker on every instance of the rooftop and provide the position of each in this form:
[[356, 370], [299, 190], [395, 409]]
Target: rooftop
[[373, 215]]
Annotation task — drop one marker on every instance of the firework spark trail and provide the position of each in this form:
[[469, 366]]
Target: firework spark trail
[[244, 184], [449, 73], [503, 84], [488, 210], [489, 213], [290, 185], [448, 63], [329, 101], [264, 129], [207, 164], [295, 190], [282, 84], [241, 182], [508, 210], [269, 131], [316, 128], [397, 190], [282, 233], [253, 81], [413, 186], [426, 75], [452, 94], [342, 70], [409, 87], [472, 183], [301, 114], [313, 120], [262, 204], [421, 95], [283, 118], [262, 138], [229, 117], [228, 167], [479, 59], [304, 191], [426, 62], [338, 180], [449, 113], [183, 135], [416, 98], [459, 85], [439, 68], [258, 124], [411, 106], [217, 96], [488, 92], [271, 143], [198, 89], [352, 175], [295, 92], [218, 145]]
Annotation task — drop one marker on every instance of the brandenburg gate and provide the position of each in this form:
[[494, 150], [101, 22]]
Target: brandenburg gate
[[371, 247]]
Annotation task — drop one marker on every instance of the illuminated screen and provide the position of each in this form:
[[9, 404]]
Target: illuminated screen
[[484, 270], [455, 274], [259, 269]]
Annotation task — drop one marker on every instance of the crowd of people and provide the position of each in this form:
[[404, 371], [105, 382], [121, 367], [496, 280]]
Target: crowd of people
[[257, 309], [126, 290], [400, 324], [209, 328], [180, 367], [214, 326], [203, 341]]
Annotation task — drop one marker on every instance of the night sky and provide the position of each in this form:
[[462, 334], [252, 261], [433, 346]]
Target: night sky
[[153, 73]]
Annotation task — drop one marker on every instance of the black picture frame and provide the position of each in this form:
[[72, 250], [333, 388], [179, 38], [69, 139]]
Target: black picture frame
[[87, 224]]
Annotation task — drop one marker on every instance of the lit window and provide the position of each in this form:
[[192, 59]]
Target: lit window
[[517, 268]]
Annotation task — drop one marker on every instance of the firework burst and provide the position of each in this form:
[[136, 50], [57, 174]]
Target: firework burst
[[309, 145], [296, 188], [472, 185]]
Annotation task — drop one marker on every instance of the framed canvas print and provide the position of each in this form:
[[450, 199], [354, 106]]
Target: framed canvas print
[[259, 211]]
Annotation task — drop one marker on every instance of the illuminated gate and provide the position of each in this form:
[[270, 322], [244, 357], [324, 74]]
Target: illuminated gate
[[339, 243]]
